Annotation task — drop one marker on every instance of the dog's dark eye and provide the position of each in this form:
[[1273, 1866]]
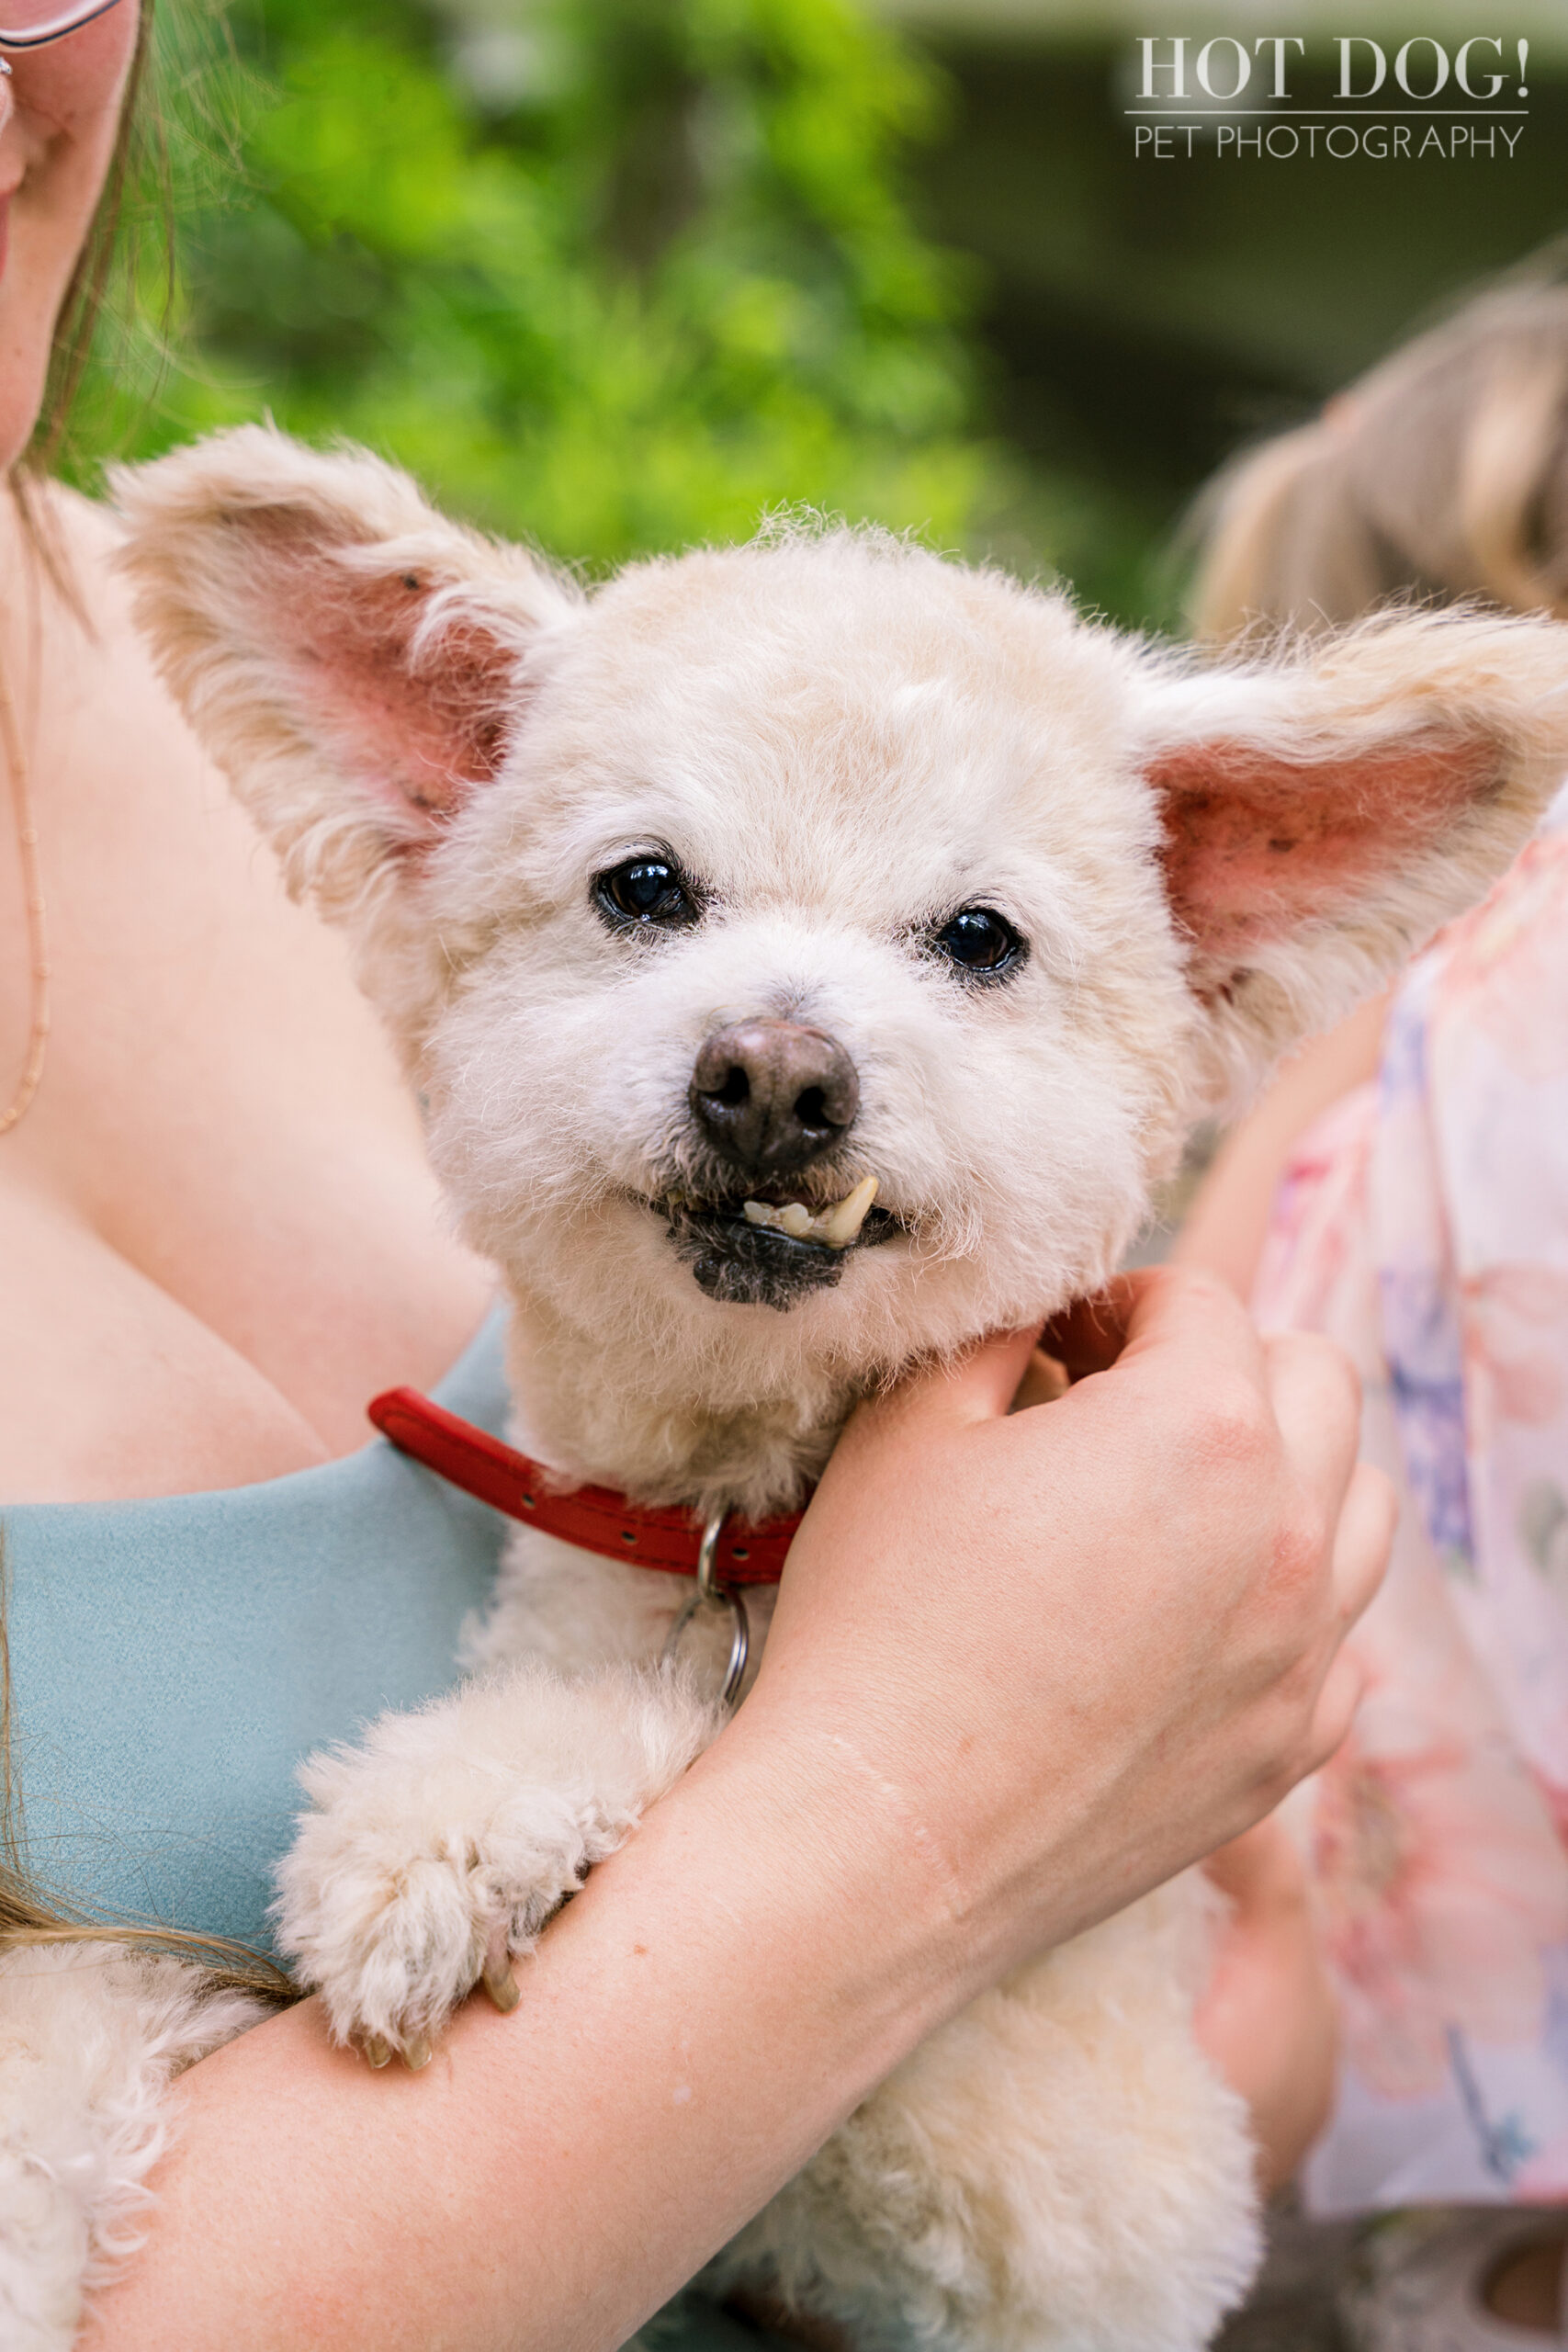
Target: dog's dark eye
[[980, 941], [647, 890]]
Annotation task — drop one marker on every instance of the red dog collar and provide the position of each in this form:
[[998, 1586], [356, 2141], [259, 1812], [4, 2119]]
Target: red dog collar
[[596, 1519]]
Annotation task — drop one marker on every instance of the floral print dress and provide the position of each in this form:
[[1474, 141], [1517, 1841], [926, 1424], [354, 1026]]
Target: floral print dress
[[1423, 1224]]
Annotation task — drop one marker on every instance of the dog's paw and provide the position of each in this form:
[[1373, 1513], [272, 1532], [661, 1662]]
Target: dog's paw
[[396, 1904], [437, 1851]]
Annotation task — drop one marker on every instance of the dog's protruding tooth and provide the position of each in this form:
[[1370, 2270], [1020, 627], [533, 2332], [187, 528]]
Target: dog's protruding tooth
[[796, 1219], [377, 2053], [759, 1213], [416, 2052], [503, 1986], [839, 1224]]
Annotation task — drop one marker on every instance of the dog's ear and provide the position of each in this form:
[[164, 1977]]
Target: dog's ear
[[353, 660], [1325, 809]]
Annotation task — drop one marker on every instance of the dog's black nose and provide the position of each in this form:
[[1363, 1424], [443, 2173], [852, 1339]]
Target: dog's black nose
[[772, 1096]]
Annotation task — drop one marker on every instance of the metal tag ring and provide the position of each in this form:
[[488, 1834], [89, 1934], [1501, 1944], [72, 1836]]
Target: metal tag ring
[[740, 1639], [711, 1594]]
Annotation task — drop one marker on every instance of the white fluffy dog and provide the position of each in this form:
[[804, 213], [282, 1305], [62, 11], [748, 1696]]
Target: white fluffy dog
[[750, 876]]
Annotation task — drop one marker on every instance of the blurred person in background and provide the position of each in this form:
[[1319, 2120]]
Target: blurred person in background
[[218, 1238], [1404, 1187]]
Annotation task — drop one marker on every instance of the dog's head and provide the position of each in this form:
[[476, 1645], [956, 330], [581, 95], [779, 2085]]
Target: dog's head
[[810, 952]]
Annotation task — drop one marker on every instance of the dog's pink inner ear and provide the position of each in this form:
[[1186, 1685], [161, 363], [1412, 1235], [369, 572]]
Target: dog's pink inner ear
[[1257, 847], [420, 721]]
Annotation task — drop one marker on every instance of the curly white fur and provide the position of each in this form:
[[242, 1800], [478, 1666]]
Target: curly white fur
[[1056, 2171], [91, 2035], [842, 740]]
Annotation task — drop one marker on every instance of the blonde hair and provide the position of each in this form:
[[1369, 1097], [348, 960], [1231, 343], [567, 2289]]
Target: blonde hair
[[1442, 473], [138, 161], [32, 1914], [139, 148]]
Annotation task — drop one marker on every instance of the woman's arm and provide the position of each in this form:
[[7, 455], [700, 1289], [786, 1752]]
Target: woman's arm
[[1022, 1668], [1226, 1229]]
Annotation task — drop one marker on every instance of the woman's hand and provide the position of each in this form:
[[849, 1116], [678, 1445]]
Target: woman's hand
[[1061, 1653]]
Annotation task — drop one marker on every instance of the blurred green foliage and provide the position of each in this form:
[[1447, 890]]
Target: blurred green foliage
[[612, 273]]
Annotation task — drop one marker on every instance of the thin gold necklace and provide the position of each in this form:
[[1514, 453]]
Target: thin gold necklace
[[32, 892]]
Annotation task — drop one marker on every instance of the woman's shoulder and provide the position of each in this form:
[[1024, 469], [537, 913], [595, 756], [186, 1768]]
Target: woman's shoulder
[[78, 538], [108, 730], [77, 609], [91, 524]]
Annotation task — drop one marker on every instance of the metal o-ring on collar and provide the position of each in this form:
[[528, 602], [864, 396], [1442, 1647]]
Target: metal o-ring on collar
[[711, 1594]]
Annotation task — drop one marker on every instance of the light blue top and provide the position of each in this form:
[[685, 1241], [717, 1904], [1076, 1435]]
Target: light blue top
[[173, 1659]]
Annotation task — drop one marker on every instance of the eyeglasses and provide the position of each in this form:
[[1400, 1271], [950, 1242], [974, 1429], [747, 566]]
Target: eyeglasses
[[33, 24]]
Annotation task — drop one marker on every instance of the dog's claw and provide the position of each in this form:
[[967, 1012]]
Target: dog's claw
[[503, 1986], [377, 2052], [416, 2052]]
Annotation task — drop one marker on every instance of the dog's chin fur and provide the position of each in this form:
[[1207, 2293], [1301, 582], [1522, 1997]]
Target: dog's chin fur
[[625, 1370], [741, 1264], [842, 740]]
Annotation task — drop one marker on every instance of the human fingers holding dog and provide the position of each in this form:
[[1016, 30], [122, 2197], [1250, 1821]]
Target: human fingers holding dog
[[1076, 1648], [1317, 1398], [1334, 1548]]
